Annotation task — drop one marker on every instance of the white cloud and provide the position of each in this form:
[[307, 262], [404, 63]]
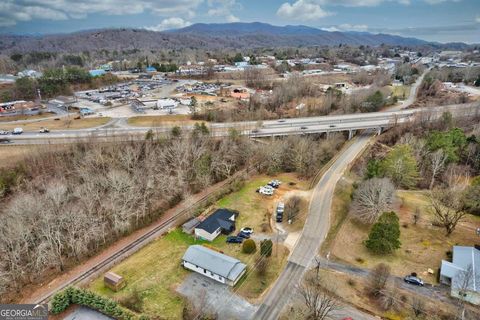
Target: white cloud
[[232, 18], [439, 1], [170, 23], [302, 10], [13, 11], [224, 8], [347, 27], [372, 3]]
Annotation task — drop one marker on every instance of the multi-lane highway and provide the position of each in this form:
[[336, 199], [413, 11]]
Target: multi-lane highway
[[282, 127]]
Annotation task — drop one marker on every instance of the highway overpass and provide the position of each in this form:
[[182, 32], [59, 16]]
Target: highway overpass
[[256, 129]]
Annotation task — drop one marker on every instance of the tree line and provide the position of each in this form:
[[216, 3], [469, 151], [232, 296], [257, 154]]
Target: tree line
[[65, 205]]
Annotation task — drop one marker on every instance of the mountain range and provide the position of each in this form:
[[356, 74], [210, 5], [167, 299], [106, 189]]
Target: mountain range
[[200, 36]]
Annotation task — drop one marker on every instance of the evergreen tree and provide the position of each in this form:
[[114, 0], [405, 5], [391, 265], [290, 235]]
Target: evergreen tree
[[384, 237]]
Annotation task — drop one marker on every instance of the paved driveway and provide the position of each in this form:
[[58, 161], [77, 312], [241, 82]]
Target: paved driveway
[[216, 298]]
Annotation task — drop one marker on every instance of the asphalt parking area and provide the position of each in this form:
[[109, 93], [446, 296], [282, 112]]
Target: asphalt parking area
[[216, 297]]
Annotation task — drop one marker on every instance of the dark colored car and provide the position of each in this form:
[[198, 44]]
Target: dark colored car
[[274, 184], [243, 235], [233, 239], [303, 128], [279, 217], [413, 280]]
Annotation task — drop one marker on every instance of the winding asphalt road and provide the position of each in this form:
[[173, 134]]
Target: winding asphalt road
[[314, 232], [318, 223]]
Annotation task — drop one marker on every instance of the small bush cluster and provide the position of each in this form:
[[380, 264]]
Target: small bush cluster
[[249, 246]]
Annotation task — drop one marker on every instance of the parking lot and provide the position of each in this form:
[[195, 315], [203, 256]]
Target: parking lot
[[215, 297]]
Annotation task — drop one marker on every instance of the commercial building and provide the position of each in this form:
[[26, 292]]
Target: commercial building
[[213, 264]]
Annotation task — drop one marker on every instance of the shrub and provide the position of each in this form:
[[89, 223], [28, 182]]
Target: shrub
[[72, 295], [249, 246], [384, 235], [266, 247]]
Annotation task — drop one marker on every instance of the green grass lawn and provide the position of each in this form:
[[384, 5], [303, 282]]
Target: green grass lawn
[[155, 271], [255, 209]]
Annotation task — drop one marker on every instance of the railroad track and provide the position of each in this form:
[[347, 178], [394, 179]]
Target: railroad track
[[139, 242]]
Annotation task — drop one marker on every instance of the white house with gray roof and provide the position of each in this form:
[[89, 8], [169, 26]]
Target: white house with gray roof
[[213, 264], [463, 274]]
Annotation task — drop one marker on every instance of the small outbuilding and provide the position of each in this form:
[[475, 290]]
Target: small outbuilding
[[213, 264], [189, 226], [113, 281]]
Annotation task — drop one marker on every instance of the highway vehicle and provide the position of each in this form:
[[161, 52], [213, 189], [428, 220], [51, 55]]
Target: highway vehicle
[[303, 128], [234, 239], [332, 126], [4, 132], [44, 130], [17, 131], [4, 141], [413, 280]]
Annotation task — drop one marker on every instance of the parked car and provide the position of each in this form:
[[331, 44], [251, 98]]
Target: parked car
[[275, 183], [413, 280], [234, 239], [279, 211], [247, 230], [17, 131], [243, 235], [265, 191], [4, 132], [44, 130]]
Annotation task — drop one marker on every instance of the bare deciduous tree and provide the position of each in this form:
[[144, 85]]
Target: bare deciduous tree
[[447, 208], [378, 278], [437, 164], [317, 299], [372, 198]]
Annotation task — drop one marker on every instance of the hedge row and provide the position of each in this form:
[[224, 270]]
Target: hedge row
[[62, 300]]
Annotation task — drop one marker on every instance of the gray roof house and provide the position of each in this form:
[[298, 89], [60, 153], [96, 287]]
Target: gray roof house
[[213, 264], [463, 274], [221, 221]]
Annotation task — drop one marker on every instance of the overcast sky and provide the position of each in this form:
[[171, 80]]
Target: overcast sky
[[434, 20]]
